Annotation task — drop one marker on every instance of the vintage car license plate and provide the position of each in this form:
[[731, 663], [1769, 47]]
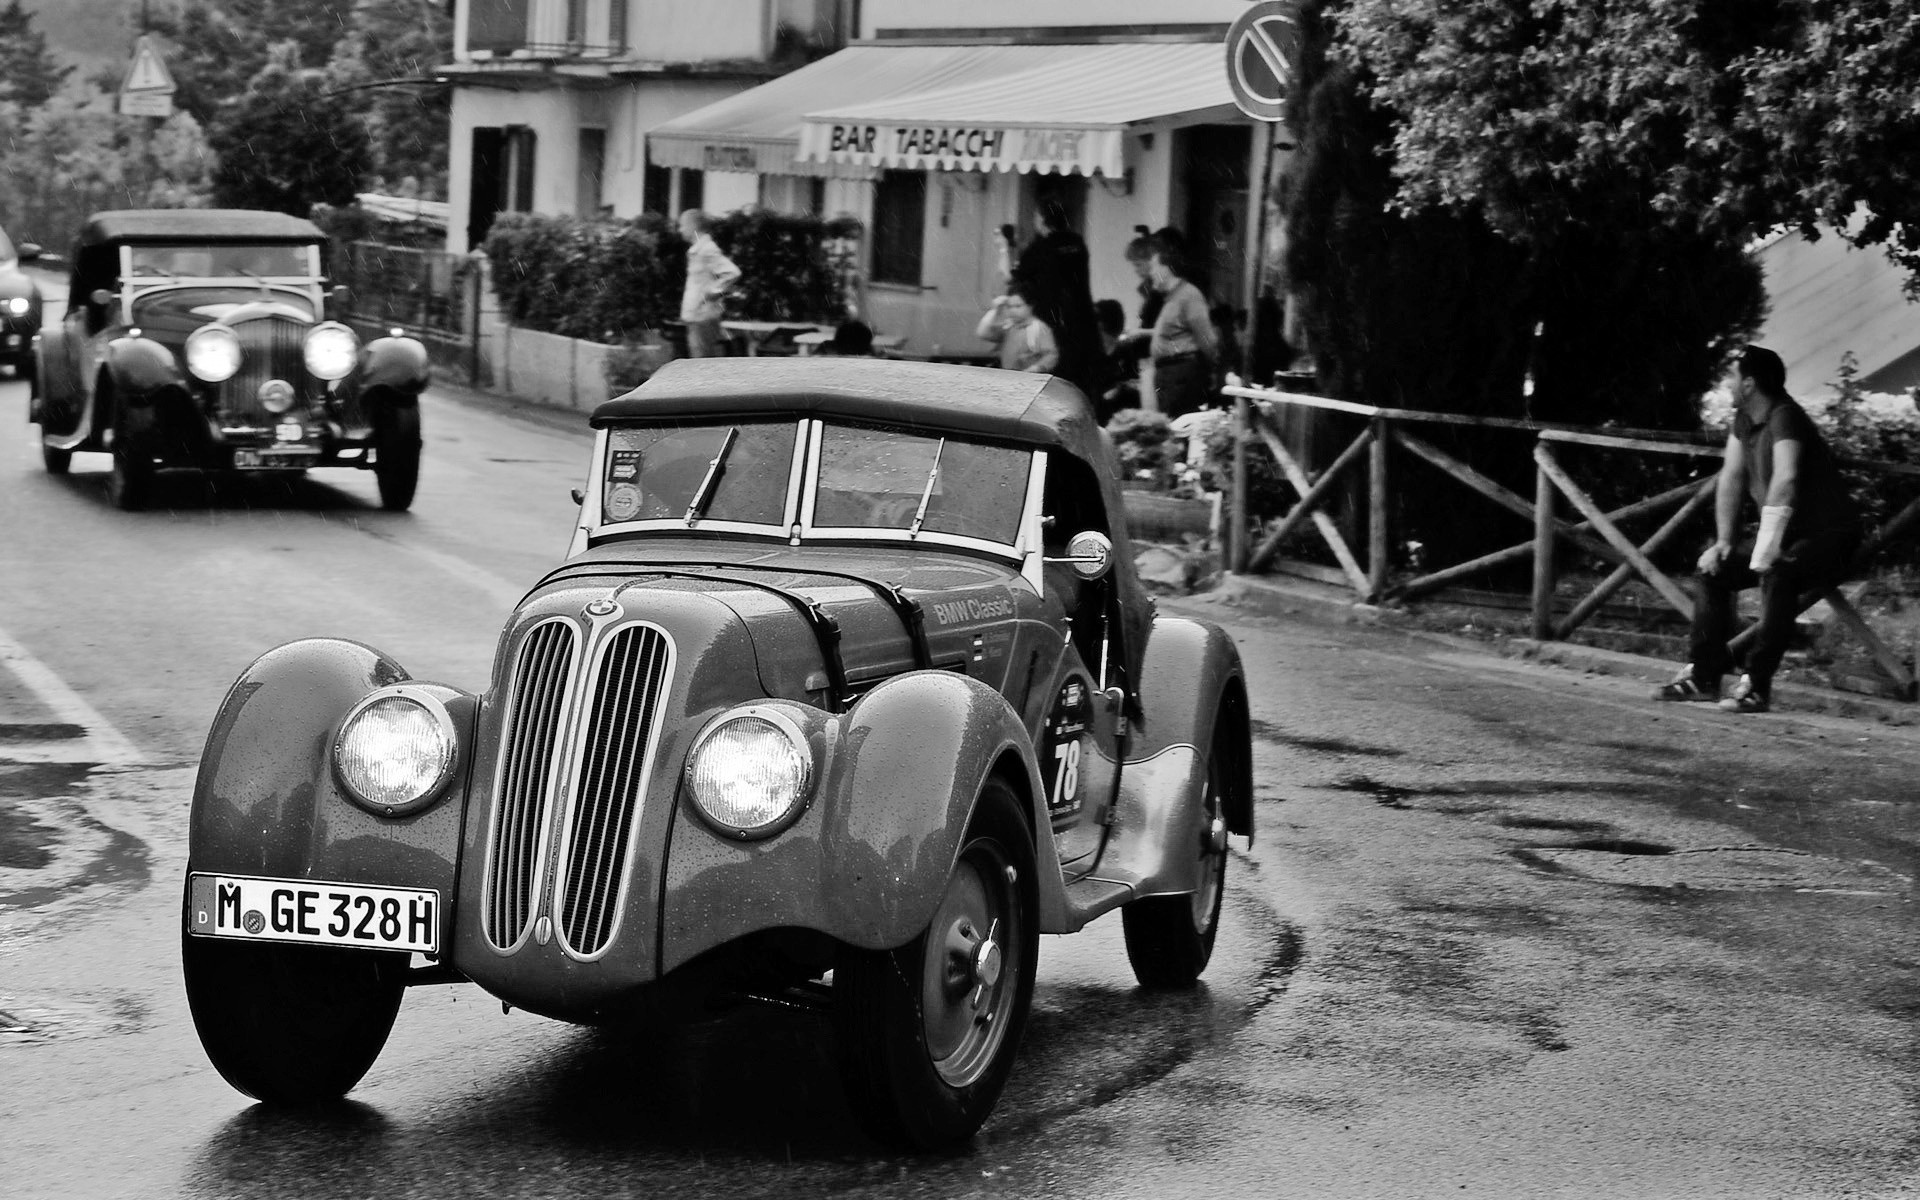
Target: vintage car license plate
[[315, 912], [269, 459]]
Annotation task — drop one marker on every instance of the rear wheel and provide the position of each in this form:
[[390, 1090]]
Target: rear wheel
[[397, 467], [1170, 938], [291, 1024], [927, 1033]]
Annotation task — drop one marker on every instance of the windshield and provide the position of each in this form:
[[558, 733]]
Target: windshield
[[884, 479], [222, 262], [864, 482], [656, 473]]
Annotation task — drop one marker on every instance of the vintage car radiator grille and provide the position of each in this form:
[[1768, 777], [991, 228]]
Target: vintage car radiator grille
[[538, 694], [624, 704], [269, 349]]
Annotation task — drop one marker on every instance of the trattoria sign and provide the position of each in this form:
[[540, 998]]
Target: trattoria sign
[[1045, 149]]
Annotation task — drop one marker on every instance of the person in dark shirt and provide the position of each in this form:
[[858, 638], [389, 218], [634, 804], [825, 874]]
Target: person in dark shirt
[[1053, 270], [1809, 530]]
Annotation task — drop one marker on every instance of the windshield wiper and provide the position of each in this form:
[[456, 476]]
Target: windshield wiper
[[704, 493], [920, 514]]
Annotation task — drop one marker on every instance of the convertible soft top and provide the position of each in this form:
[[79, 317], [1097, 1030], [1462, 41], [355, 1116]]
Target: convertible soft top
[[196, 225], [1008, 406]]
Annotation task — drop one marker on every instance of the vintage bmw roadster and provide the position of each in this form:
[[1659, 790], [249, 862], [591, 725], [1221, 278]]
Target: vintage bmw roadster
[[200, 338], [845, 691]]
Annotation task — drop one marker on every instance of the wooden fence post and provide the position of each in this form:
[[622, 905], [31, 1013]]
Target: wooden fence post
[[1542, 555], [1237, 511], [1379, 549]]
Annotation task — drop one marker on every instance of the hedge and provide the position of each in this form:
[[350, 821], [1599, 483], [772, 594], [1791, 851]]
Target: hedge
[[612, 281]]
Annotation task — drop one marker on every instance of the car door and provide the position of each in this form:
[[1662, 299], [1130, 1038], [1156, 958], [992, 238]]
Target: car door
[[1080, 751]]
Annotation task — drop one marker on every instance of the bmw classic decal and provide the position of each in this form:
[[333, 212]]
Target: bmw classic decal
[[1066, 724]]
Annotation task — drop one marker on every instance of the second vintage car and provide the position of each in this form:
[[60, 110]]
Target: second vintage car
[[19, 305], [845, 692], [200, 338]]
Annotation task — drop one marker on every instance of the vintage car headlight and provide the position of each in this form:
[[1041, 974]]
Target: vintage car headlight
[[18, 305], [213, 353], [331, 349], [395, 750], [750, 774]]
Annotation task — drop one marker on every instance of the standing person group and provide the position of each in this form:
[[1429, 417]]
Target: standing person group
[[1809, 530], [710, 275]]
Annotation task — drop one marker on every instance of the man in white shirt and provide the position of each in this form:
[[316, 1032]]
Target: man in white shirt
[[710, 274]]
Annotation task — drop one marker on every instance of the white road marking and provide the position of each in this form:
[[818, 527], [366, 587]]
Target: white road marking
[[103, 743]]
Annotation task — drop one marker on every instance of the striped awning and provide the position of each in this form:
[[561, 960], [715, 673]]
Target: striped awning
[[1047, 108], [1065, 110]]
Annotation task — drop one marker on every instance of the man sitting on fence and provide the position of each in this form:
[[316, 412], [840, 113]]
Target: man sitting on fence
[[1809, 530]]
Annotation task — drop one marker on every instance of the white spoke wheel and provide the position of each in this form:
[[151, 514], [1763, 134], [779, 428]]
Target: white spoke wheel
[[1170, 938], [291, 1025], [927, 1033]]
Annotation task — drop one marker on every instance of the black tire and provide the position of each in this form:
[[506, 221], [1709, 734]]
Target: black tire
[[1170, 938], [927, 1034], [57, 462], [291, 1025], [397, 465], [130, 482]]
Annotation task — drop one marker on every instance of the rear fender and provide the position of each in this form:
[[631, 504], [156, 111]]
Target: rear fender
[[267, 803], [1191, 681], [868, 861]]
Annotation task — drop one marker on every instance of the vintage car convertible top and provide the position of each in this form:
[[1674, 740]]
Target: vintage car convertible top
[[844, 692]]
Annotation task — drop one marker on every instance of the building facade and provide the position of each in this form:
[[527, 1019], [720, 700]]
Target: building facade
[[553, 99], [939, 123]]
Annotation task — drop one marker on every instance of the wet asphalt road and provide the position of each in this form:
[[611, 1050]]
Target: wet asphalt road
[[1506, 931]]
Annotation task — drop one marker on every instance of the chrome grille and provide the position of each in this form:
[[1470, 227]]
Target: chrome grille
[[538, 694], [625, 702], [270, 348]]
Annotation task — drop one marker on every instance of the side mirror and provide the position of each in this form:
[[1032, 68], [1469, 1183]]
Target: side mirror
[[579, 495], [338, 296], [28, 251], [1089, 553], [100, 297]]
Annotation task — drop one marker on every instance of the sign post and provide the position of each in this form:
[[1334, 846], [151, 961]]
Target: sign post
[[148, 88], [1263, 46]]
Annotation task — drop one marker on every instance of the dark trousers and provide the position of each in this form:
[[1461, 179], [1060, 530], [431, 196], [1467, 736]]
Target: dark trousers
[[1805, 564], [1181, 385]]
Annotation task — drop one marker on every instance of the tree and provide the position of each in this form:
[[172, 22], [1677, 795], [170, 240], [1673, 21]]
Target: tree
[[288, 143], [217, 46], [389, 58], [29, 74], [76, 154], [1719, 118]]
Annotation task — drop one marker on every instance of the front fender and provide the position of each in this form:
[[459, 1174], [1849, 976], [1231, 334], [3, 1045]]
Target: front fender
[[397, 364], [139, 367], [266, 802], [868, 861]]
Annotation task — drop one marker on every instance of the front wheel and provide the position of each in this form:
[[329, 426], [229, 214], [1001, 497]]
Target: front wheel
[[290, 1024], [56, 461], [927, 1033], [131, 479], [1170, 938], [397, 467]]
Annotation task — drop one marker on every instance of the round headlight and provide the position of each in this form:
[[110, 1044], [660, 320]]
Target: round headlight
[[18, 305], [331, 349], [213, 353], [394, 752], [749, 774]]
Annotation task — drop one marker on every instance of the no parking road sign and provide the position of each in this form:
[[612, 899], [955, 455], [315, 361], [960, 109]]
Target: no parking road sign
[[1262, 48]]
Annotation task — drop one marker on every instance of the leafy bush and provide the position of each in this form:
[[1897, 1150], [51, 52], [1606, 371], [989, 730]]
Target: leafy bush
[[1141, 438], [611, 280]]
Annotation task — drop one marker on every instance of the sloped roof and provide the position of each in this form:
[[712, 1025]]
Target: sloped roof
[[1826, 298]]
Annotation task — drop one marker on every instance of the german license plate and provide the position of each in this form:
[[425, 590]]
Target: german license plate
[[266, 460], [317, 913]]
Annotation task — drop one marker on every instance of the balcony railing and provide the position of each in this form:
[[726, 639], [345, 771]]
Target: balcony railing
[[547, 28]]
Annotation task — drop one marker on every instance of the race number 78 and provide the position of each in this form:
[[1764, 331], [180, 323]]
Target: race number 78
[[1066, 771]]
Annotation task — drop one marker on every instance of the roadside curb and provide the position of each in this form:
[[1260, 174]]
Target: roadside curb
[[1295, 597]]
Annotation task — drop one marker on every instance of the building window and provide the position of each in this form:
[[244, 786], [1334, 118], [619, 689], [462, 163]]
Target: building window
[[693, 189], [656, 191], [498, 26], [502, 178], [899, 226], [590, 190]]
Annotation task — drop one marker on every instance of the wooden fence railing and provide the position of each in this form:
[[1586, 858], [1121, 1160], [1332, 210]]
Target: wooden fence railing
[[1597, 532]]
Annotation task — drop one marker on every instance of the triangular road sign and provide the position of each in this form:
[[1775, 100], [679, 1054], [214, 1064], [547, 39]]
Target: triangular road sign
[[149, 71]]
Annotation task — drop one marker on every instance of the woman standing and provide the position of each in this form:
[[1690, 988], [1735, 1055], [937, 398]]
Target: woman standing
[[1184, 344]]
